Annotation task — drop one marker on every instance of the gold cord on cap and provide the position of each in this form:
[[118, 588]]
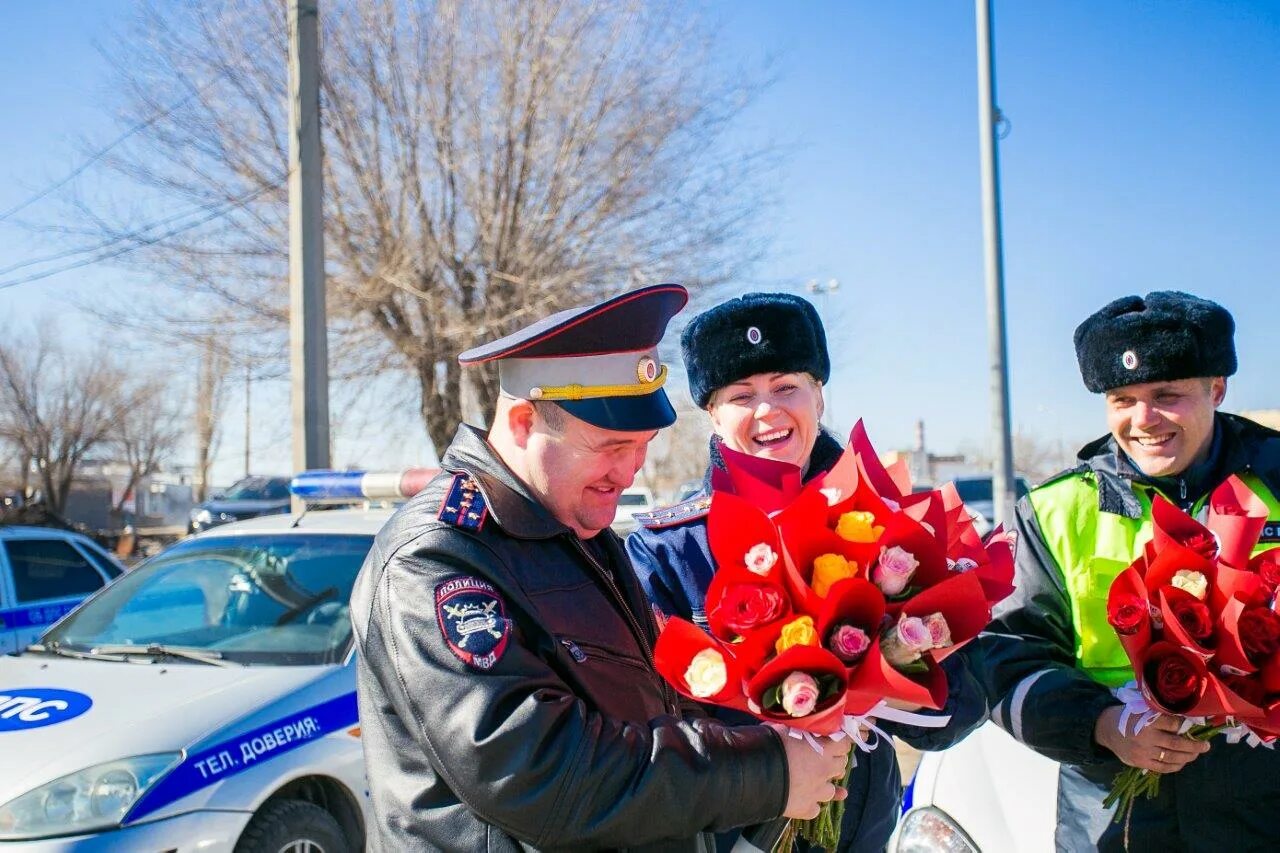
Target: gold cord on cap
[[591, 392]]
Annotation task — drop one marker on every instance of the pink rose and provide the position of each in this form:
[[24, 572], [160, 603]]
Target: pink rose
[[939, 631], [799, 694], [894, 570], [849, 643], [903, 643], [760, 559]]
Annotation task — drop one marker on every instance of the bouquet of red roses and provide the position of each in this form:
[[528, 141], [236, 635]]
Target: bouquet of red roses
[[1196, 617], [834, 601]]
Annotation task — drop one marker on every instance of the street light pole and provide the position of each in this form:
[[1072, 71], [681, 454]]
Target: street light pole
[[1002, 482], [308, 341], [825, 291]]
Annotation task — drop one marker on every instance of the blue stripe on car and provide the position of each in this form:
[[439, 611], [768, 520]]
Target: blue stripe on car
[[37, 615], [244, 752]]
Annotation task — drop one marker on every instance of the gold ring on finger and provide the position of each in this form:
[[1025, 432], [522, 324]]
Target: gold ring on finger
[[1160, 757]]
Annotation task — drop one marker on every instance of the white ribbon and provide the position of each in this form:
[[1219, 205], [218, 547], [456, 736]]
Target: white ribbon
[[1135, 705], [853, 724], [1241, 732], [885, 711]]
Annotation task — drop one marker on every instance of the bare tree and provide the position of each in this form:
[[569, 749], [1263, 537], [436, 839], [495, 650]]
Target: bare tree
[[1034, 458], [147, 431], [486, 163], [56, 407]]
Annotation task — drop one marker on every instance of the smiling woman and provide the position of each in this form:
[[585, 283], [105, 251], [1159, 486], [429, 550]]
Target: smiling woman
[[758, 364]]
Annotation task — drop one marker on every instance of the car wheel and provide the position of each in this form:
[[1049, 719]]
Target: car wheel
[[292, 826]]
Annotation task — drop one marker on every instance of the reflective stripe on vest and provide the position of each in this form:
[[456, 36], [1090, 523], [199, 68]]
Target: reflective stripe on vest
[[1091, 548]]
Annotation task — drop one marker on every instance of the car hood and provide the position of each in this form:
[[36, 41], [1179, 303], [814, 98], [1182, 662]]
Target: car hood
[[244, 507], [98, 711]]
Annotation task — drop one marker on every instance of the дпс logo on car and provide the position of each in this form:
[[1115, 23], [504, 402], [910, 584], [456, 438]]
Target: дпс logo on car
[[23, 708]]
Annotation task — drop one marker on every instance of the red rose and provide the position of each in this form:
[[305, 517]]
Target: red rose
[[1259, 630], [749, 605], [1176, 681], [1247, 687], [1203, 544], [1269, 567], [1191, 612], [1126, 613]]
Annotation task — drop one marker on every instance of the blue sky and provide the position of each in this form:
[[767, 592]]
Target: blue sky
[[1141, 157]]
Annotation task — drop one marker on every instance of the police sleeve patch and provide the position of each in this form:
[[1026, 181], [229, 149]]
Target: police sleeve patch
[[464, 504], [473, 619]]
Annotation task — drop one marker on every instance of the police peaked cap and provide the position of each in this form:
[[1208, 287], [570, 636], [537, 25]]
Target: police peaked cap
[[755, 333], [1165, 336], [599, 363]]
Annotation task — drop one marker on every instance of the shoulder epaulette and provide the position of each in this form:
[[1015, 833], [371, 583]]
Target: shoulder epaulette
[[463, 505], [690, 510]]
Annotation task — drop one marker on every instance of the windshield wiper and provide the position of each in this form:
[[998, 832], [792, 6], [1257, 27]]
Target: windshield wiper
[[294, 612], [55, 648], [160, 650]]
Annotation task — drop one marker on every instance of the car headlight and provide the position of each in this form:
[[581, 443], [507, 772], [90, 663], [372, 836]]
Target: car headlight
[[201, 516], [92, 799], [931, 830]]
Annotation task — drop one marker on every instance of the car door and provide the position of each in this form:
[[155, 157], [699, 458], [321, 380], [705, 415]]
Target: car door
[[8, 634], [49, 577]]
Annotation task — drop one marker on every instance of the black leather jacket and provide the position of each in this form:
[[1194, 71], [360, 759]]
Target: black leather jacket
[[566, 738]]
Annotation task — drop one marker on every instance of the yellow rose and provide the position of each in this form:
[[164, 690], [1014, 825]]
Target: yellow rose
[[830, 568], [798, 632], [859, 527]]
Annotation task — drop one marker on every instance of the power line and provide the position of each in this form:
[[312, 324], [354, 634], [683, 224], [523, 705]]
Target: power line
[[106, 256], [102, 152]]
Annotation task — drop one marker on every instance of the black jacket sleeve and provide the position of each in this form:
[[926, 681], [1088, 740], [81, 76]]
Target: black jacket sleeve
[[1036, 692], [525, 754]]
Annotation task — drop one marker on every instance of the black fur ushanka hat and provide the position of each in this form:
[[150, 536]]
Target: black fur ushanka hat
[[1166, 336], [755, 333]]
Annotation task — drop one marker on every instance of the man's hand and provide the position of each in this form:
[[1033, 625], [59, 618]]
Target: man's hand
[[1158, 747], [813, 775]]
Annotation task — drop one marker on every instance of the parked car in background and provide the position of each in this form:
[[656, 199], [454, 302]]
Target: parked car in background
[[44, 574], [975, 491], [636, 499], [207, 700], [249, 497]]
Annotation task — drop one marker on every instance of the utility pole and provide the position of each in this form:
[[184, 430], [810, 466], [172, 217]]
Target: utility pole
[[1002, 482], [308, 342]]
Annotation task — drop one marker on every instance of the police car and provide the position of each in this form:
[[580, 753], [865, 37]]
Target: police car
[[44, 573], [986, 793], [206, 699]]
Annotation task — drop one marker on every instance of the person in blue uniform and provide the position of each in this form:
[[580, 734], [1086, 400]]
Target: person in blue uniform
[[757, 364], [508, 699]]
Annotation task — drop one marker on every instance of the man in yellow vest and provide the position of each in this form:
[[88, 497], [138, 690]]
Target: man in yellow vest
[[1162, 364]]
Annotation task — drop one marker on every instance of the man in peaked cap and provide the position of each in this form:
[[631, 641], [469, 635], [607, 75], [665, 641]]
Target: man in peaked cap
[[507, 695], [1162, 363]]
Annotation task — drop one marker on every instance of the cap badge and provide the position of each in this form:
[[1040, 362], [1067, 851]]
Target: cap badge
[[1129, 360], [753, 336], [647, 369]]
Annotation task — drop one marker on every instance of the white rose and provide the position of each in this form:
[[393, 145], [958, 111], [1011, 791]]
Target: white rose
[[1192, 582], [707, 674]]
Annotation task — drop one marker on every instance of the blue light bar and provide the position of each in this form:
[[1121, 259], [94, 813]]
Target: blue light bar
[[356, 486]]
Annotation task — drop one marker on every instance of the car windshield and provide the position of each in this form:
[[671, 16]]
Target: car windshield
[[268, 599], [632, 499], [257, 489]]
